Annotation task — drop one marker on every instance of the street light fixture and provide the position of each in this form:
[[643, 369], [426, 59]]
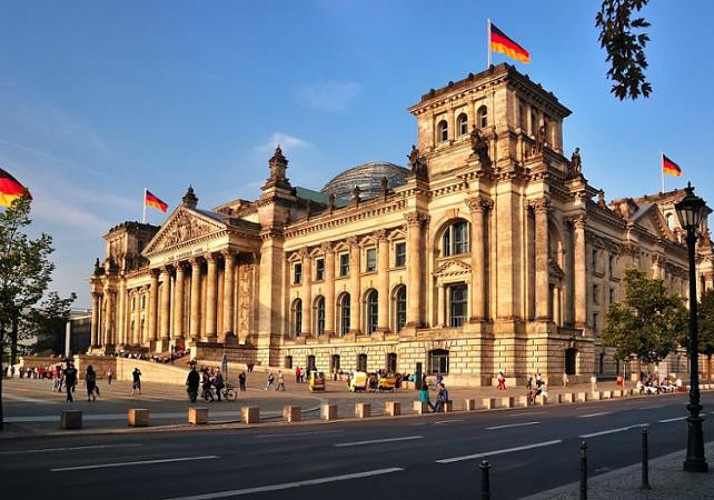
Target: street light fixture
[[691, 210]]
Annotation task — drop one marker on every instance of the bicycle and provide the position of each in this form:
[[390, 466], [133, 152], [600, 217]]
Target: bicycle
[[227, 393]]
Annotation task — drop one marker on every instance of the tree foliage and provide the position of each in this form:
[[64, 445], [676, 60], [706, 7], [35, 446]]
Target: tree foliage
[[624, 42], [25, 274], [648, 323], [705, 313]]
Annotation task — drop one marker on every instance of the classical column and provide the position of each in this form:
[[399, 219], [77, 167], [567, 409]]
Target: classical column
[[121, 331], [153, 304], [109, 316], [179, 302], [383, 272], [477, 206], [306, 293], [165, 313], [228, 294], [415, 221], [211, 276], [329, 289], [194, 327], [94, 331], [136, 334], [440, 304], [542, 292], [355, 292], [580, 272]]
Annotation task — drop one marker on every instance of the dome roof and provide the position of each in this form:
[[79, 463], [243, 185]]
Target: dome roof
[[368, 177]]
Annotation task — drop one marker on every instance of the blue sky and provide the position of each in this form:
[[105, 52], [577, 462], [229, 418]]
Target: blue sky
[[100, 99]]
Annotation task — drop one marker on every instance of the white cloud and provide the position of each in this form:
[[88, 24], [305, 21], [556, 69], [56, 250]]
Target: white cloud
[[285, 141], [330, 97]]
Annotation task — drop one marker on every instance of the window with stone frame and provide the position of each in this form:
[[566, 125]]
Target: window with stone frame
[[297, 317], [320, 316], [297, 273], [596, 294], [455, 240], [345, 314], [462, 124], [482, 117], [372, 311], [371, 260], [400, 308], [458, 304], [400, 254], [320, 269], [344, 264], [443, 131]]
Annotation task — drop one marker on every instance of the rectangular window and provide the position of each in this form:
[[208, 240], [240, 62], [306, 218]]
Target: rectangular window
[[371, 261], [344, 264], [457, 306], [400, 254], [610, 265], [594, 260], [461, 238], [297, 273], [596, 294], [319, 269], [595, 321], [612, 295]]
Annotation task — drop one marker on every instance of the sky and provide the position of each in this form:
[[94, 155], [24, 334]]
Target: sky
[[101, 99]]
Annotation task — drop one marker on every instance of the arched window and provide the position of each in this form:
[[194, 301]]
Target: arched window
[[320, 306], [372, 311], [462, 124], [670, 220], [443, 131], [345, 314], [482, 117], [400, 308], [297, 317], [456, 238]]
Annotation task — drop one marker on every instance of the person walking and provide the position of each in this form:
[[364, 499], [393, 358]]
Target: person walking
[[206, 386], [442, 397], [297, 374], [110, 376], [219, 383], [424, 396], [192, 382], [566, 379], [593, 383], [70, 380], [271, 381], [241, 381], [281, 382], [90, 381], [501, 381], [136, 381]]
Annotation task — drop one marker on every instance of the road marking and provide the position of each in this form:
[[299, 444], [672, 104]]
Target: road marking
[[285, 486], [498, 452], [612, 431], [598, 414], [508, 426], [447, 421], [94, 447], [318, 433], [377, 441], [671, 420], [129, 464]]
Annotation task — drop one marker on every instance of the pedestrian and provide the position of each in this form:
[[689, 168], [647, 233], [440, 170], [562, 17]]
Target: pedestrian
[[192, 382], [593, 383], [70, 380], [424, 396], [136, 381], [90, 380], [442, 397], [565, 379], [271, 381], [206, 386], [501, 381], [219, 383], [281, 382], [297, 374], [241, 381], [110, 375]]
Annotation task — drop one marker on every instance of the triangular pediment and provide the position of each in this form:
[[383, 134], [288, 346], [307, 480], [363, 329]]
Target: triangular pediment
[[452, 267], [183, 226], [653, 222]]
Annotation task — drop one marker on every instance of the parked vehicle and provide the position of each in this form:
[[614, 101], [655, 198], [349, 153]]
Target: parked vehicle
[[358, 381], [387, 383], [317, 381]]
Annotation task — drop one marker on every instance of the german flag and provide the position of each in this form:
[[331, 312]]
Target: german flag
[[151, 200], [669, 167], [501, 43], [11, 189]]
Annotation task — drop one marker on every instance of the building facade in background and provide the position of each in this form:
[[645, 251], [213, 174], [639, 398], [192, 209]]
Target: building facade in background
[[490, 252]]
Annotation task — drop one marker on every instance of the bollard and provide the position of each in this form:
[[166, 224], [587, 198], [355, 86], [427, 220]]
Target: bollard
[[393, 408], [485, 483], [584, 471], [197, 416], [645, 465], [71, 419], [138, 417]]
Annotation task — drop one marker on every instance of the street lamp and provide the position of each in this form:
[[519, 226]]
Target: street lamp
[[691, 210]]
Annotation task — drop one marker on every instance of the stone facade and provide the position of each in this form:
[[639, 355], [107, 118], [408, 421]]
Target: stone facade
[[495, 254]]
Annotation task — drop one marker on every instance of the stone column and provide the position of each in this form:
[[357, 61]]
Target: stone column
[[165, 313], [542, 292], [415, 221], [211, 276], [179, 302], [194, 328], [153, 305], [136, 334], [580, 272], [383, 291], [440, 304], [306, 292], [94, 332], [121, 331], [354, 286], [228, 294], [477, 206], [109, 317], [329, 289]]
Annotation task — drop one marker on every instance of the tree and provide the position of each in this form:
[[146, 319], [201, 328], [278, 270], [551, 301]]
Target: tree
[[705, 317], [648, 323], [25, 274], [625, 47]]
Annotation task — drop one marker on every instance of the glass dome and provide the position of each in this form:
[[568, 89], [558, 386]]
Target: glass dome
[[368, 177]]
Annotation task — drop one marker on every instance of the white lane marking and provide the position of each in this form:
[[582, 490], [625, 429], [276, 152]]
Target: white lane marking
[[447, 421], [377, 441], [671, 420], [315, 433], [285, 486], [22, 399], [508, 426], [612, 431], [129, 464], [93, 447], [598, 414], [498, 452]]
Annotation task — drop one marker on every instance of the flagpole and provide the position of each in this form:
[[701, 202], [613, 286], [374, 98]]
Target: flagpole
[[661, 168], [143, 211], [488, 41]]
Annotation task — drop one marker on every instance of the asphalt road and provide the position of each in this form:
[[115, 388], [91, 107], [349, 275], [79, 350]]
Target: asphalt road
[[434, 456]]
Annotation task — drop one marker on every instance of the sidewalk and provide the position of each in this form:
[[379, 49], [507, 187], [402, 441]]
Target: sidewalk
[[667, 480]]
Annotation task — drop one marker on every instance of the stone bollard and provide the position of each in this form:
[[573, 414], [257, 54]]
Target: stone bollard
[[250, 414], [558, 398], [138, 417], [597, 395], [469, 404], [329, 412], [607, 395], [489, 403], [393, 408], [541, 400], [449, 407], [507, 402], [197, 416], [523, 401], [569, 397], [292, 413], [363, 410], [582, 397], [70, 419], [420, 407]]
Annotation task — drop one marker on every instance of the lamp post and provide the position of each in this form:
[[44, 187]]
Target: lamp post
[[691, 210]]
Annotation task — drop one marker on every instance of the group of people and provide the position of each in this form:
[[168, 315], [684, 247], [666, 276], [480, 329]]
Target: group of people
[[275, 383], [652, 384], [442, 396], [536, 386]]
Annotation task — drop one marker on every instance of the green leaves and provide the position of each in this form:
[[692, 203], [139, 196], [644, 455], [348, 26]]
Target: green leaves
[[624, 47]]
